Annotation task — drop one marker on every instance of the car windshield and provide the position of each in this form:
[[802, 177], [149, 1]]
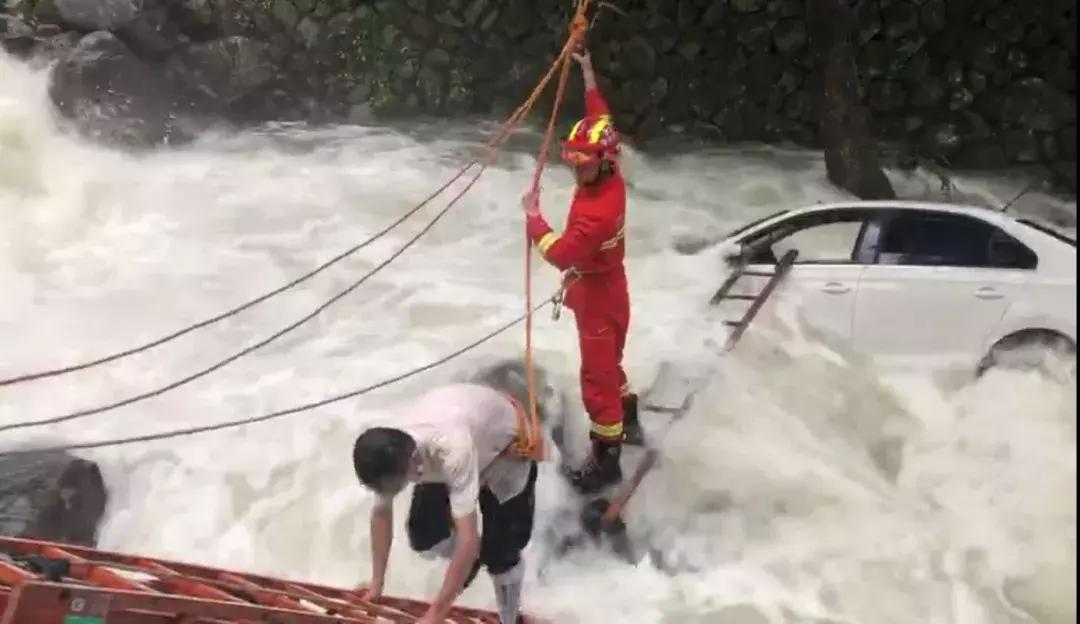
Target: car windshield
[[743, 228], [1048, 231]]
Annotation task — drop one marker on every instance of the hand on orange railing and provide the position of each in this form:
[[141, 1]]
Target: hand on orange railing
[[367, 593], [429, 618]]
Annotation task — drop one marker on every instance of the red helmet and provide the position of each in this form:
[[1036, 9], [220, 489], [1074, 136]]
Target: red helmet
[[591, 138]]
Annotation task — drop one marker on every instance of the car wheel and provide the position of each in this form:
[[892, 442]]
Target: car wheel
[[1046, 352]]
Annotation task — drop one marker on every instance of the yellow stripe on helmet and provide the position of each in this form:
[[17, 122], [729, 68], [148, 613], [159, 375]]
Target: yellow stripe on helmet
[[574, 130], [597, 131]]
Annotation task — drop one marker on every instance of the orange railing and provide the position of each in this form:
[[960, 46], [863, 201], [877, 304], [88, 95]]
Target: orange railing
[[47, 583]]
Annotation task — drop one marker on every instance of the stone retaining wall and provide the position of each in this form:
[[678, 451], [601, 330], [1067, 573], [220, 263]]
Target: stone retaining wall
[[970, 83]]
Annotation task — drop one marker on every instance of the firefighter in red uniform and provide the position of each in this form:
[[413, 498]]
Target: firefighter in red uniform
[[590, 252]]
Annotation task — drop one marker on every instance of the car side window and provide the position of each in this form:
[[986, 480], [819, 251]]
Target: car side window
[[941, 239], [825, 243], [1008, 253], [819, 238]]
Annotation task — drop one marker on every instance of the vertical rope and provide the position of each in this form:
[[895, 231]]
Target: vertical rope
[[577, 31]]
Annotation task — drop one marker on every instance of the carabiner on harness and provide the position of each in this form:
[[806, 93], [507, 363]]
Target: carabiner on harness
[[556, 302]]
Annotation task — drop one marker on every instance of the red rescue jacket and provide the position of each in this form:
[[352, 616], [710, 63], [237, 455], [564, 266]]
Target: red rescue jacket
[[593, 241]]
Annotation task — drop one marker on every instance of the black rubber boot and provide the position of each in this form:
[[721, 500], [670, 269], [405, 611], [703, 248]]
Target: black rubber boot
[[601, 469], [633, 434]]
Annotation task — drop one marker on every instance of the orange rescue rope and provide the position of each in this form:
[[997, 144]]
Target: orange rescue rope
[[530, 442]]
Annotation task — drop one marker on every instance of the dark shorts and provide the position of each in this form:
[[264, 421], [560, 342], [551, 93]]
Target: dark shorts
[[505, 531]]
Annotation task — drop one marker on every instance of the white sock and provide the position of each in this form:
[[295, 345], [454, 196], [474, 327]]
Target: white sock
[[508, 592]]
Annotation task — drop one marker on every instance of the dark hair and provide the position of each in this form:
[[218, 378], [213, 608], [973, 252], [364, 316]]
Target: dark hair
[[381, 458]]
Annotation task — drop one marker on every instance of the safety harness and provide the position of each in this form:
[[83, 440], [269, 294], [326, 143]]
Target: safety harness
[[529, 441]]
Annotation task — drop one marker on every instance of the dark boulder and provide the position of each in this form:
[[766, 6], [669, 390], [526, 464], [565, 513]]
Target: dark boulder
[[980, 153], [1063, 174], [748, 6], [886, 96], [900, 19], [16, 37], [1067, 142], [790, 36], [1034, 104], [111, 94], [54, 497], [941, 140], [153, 34], [929, 94], [933, 16], [1020, 146], [48, 49], [510, 377], [640, 56], [92, 15]]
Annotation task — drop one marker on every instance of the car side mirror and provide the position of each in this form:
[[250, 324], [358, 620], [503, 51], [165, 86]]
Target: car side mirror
[[734, 254]]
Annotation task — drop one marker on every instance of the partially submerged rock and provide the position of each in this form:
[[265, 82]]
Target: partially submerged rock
[[111, 94], [54, 497]]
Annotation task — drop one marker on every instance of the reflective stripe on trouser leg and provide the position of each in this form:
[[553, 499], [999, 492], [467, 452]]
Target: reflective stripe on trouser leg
[[600, 378]]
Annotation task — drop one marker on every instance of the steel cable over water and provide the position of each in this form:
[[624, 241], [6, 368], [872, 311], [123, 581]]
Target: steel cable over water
[[242, 307], [572, 42], [175, 433], [493, 146], [265, 341]]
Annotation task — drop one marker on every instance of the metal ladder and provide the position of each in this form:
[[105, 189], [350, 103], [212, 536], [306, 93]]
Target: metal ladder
[[758, 300], [608, 520]]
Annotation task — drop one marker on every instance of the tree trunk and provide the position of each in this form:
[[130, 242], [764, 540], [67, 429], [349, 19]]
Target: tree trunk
[[54, 497], [851, 158]]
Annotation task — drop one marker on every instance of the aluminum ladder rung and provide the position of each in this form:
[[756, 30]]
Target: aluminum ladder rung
[[758, 300]]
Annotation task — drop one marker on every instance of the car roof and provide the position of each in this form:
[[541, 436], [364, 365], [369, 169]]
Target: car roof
[[996, 217], [898, 204]]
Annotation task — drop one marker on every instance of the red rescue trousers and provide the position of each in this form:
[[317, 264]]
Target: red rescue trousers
[[601, 306]]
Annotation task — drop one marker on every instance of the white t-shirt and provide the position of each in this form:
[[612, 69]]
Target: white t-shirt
[[461, 431]]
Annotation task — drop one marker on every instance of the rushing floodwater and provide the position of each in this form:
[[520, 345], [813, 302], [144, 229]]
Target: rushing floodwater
[[803, 488]]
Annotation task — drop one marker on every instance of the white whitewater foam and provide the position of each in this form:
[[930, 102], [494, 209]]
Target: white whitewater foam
[[802, 488]]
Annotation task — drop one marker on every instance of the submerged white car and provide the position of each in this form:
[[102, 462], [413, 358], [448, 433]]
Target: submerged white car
[[917, 285]]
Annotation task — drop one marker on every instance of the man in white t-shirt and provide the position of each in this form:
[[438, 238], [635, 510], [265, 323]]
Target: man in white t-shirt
[[462, 445]]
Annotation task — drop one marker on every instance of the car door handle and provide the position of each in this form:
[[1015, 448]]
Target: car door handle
[[835, 288], [987, 292]]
